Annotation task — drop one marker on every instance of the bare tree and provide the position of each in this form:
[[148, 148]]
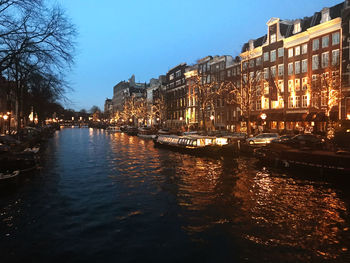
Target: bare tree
[[34, 40]]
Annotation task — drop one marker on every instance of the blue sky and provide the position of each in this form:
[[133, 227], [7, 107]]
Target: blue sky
[[118, 38]]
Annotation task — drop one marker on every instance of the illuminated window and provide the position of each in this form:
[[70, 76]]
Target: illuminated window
[[304, 65], [266, 88], [304, 83], [290, 69], [315, 62], [315, 44], [297, 67], [280, 69], [335, 38], [274, 125], [281, 85], [314, 100], [290, 102], [290, 85], [297, 51], [281, 102], [297, 84], [304, 49], [325, 59], [290, 52], [266, 103], [273, 55], [325, 41]]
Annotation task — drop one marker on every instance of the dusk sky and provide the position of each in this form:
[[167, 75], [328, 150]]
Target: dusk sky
[[118, 38]]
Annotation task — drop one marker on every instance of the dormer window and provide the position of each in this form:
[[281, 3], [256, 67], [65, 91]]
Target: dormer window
[[297, 27], [273, 38], [325, 15]]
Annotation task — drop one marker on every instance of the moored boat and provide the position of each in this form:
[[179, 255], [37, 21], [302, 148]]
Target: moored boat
[[197, 145], [113, 129], [9, 177], [146, 133]]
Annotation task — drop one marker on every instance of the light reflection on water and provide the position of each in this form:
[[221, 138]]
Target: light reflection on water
[[113, 194]]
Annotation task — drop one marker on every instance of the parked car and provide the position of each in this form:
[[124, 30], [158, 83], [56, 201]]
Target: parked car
[[306, 141], [262, 139]]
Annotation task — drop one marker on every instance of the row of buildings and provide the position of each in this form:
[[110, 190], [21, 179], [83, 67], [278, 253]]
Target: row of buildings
[[294, 77]]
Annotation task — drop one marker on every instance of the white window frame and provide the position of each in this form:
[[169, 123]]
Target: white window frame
[[272, 55], [336, 36], [335, 62], [290, 52], [266, 56], [280, 52], [325, 59], [297, 51], [325, 41], [304, 66], [290, 69], [315, 44], [304, 49], [315, 62], [280, 69]]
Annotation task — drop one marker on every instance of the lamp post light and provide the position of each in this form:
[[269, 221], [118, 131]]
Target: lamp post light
[[212, 121], [263, 116]]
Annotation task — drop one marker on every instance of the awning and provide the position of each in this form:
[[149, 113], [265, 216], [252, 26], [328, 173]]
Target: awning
[[275, 116], [311, 116], [295, 117]]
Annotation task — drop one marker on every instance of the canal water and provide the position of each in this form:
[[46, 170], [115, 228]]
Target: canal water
[[103, 197]]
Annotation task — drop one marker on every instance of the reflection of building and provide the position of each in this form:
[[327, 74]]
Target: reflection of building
[[176, 95], [299, 66]]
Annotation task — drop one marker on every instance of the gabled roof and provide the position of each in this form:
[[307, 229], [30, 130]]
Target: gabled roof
[[256, 43]]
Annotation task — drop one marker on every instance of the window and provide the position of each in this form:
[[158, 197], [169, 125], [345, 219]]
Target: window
[[314, 101], [178, 73], [290, 52], [258, 104], [297, 51], [324, 98], [325, 59], [335, 38], [229, 73], [297, 84], [297, 28], [304, 101], [281, 85], [315, 44], [304, 49], [315, 62], [297, 67], [258, 61], [273, 38], [335, 57], [325, 41], [280, 52], [266, 56], [304, 65], [290, 69], [266, 103], [290, 85], [290, 102], [266, 73], [297, 101], [251, 63], [273, 71], [171, 77], [280, 69], [266, 88], [245, 65], [273, 55], [304, 83]]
